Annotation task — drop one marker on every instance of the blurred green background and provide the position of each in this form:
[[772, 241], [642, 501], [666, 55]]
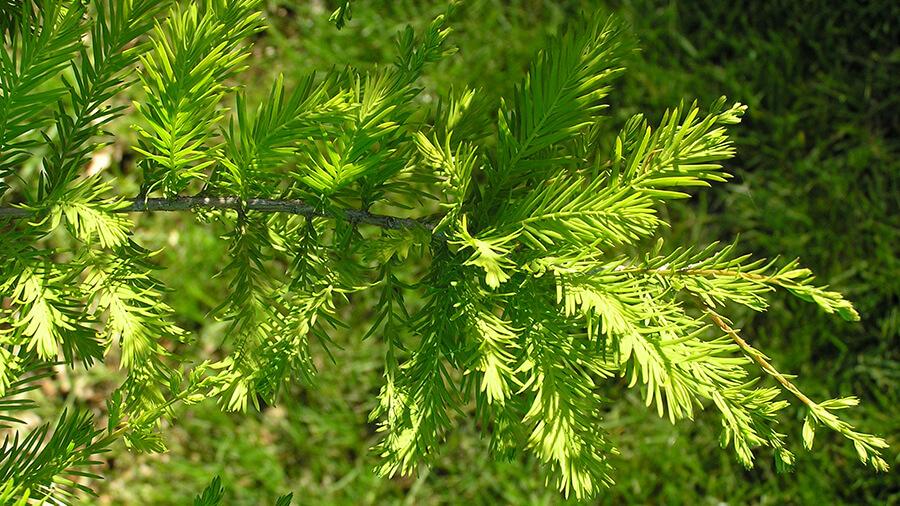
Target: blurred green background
[[817, 178]]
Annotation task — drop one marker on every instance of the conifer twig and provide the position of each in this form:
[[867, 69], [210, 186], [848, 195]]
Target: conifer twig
[[868, 446]]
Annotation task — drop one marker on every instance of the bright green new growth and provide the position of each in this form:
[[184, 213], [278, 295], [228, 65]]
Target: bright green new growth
[[544, 281]]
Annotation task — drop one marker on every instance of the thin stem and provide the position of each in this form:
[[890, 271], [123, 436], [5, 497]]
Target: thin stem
[[704, 272], [760, 359], [776, 280], [144, 205]]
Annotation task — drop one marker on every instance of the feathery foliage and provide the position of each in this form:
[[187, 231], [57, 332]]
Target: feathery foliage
[[543, 282]]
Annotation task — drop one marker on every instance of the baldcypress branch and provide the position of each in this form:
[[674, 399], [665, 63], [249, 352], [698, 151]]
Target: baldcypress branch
[[524, 306], [297, 207]]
